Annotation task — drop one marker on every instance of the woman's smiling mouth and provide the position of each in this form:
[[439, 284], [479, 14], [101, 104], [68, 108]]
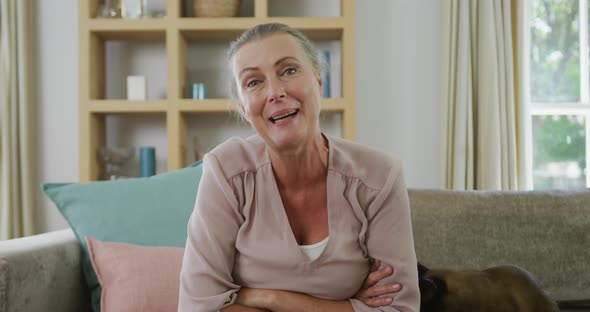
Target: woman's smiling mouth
[[283, 116]]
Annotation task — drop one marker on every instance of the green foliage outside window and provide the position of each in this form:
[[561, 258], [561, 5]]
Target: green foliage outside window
[[559, 138], [555, 51], [555, 78]]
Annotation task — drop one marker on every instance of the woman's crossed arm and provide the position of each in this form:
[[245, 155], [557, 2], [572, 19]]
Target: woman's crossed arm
[[285, 301]]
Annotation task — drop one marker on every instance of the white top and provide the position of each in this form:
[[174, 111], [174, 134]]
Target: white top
[[312, 252]]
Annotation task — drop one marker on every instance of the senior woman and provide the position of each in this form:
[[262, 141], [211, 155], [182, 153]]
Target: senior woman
[[291, 219]]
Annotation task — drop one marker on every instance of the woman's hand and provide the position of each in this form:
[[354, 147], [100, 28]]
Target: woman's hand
[[371, 293], [254, 298]]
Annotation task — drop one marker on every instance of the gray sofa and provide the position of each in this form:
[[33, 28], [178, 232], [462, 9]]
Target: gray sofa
[[547, 233]]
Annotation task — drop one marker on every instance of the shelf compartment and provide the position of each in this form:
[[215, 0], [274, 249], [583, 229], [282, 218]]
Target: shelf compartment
[[123, 130], [334, 70], [115, 60], [124, 106], [91, 8], [204, 62], [123, 29], [205, 132]]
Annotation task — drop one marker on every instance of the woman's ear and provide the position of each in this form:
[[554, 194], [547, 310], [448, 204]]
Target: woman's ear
[[243, 111], [320, 83]]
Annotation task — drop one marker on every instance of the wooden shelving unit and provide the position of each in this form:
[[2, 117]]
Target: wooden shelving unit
[[177, 32]]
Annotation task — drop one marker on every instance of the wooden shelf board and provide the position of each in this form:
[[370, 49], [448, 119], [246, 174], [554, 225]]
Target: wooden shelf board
[[124, 106], [333, 105], [206, 106], [316, 28], [122, 29], [225, 105], [210, 28]]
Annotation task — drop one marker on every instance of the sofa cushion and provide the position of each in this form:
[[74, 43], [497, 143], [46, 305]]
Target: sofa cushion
[[136, 278], [150, 211], [546, 233]]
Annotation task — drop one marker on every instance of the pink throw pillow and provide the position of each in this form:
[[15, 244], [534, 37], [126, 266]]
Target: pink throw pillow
[[136, 278]]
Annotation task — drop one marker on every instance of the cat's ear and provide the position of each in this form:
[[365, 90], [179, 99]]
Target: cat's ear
[[421, 269], [428, 290], [432, 294], [441, 286]]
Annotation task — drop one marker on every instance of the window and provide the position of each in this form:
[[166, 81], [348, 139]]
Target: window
[[559, 93]]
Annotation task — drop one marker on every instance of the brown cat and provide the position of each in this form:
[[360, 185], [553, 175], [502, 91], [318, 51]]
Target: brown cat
[[505, 288]]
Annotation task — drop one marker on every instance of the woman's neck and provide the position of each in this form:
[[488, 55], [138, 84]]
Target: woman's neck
[[307, 166]]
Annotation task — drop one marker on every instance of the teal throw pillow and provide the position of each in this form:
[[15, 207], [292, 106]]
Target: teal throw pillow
[[150, 211]]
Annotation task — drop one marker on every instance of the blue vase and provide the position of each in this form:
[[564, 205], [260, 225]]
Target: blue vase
[[198, 91], [147, 161]]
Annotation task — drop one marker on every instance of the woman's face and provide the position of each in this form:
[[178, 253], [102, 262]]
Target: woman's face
[[279, 91]]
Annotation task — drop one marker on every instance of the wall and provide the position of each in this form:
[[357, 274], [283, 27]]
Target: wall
[[398, 105], [398, 77], [57, 102]]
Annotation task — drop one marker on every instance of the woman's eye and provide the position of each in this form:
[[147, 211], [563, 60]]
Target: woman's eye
[[290, 71], [252, 83]]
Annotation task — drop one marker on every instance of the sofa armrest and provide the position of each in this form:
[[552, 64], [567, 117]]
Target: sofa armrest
[[42, 273]]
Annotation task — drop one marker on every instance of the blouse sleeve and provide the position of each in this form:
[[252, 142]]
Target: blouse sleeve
[[206, 282], [389, 239]]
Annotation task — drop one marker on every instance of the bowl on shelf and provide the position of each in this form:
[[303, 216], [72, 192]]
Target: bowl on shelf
[[216, 8], [114, 158]]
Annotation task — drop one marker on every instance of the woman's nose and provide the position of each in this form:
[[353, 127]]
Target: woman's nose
[[275, 90]]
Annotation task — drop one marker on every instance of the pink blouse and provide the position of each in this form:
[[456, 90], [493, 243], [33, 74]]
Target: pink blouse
[[239, 234]]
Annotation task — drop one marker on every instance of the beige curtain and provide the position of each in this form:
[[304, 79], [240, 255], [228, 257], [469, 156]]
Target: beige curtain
[[479, 127], [520, 47], [16, 146]]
